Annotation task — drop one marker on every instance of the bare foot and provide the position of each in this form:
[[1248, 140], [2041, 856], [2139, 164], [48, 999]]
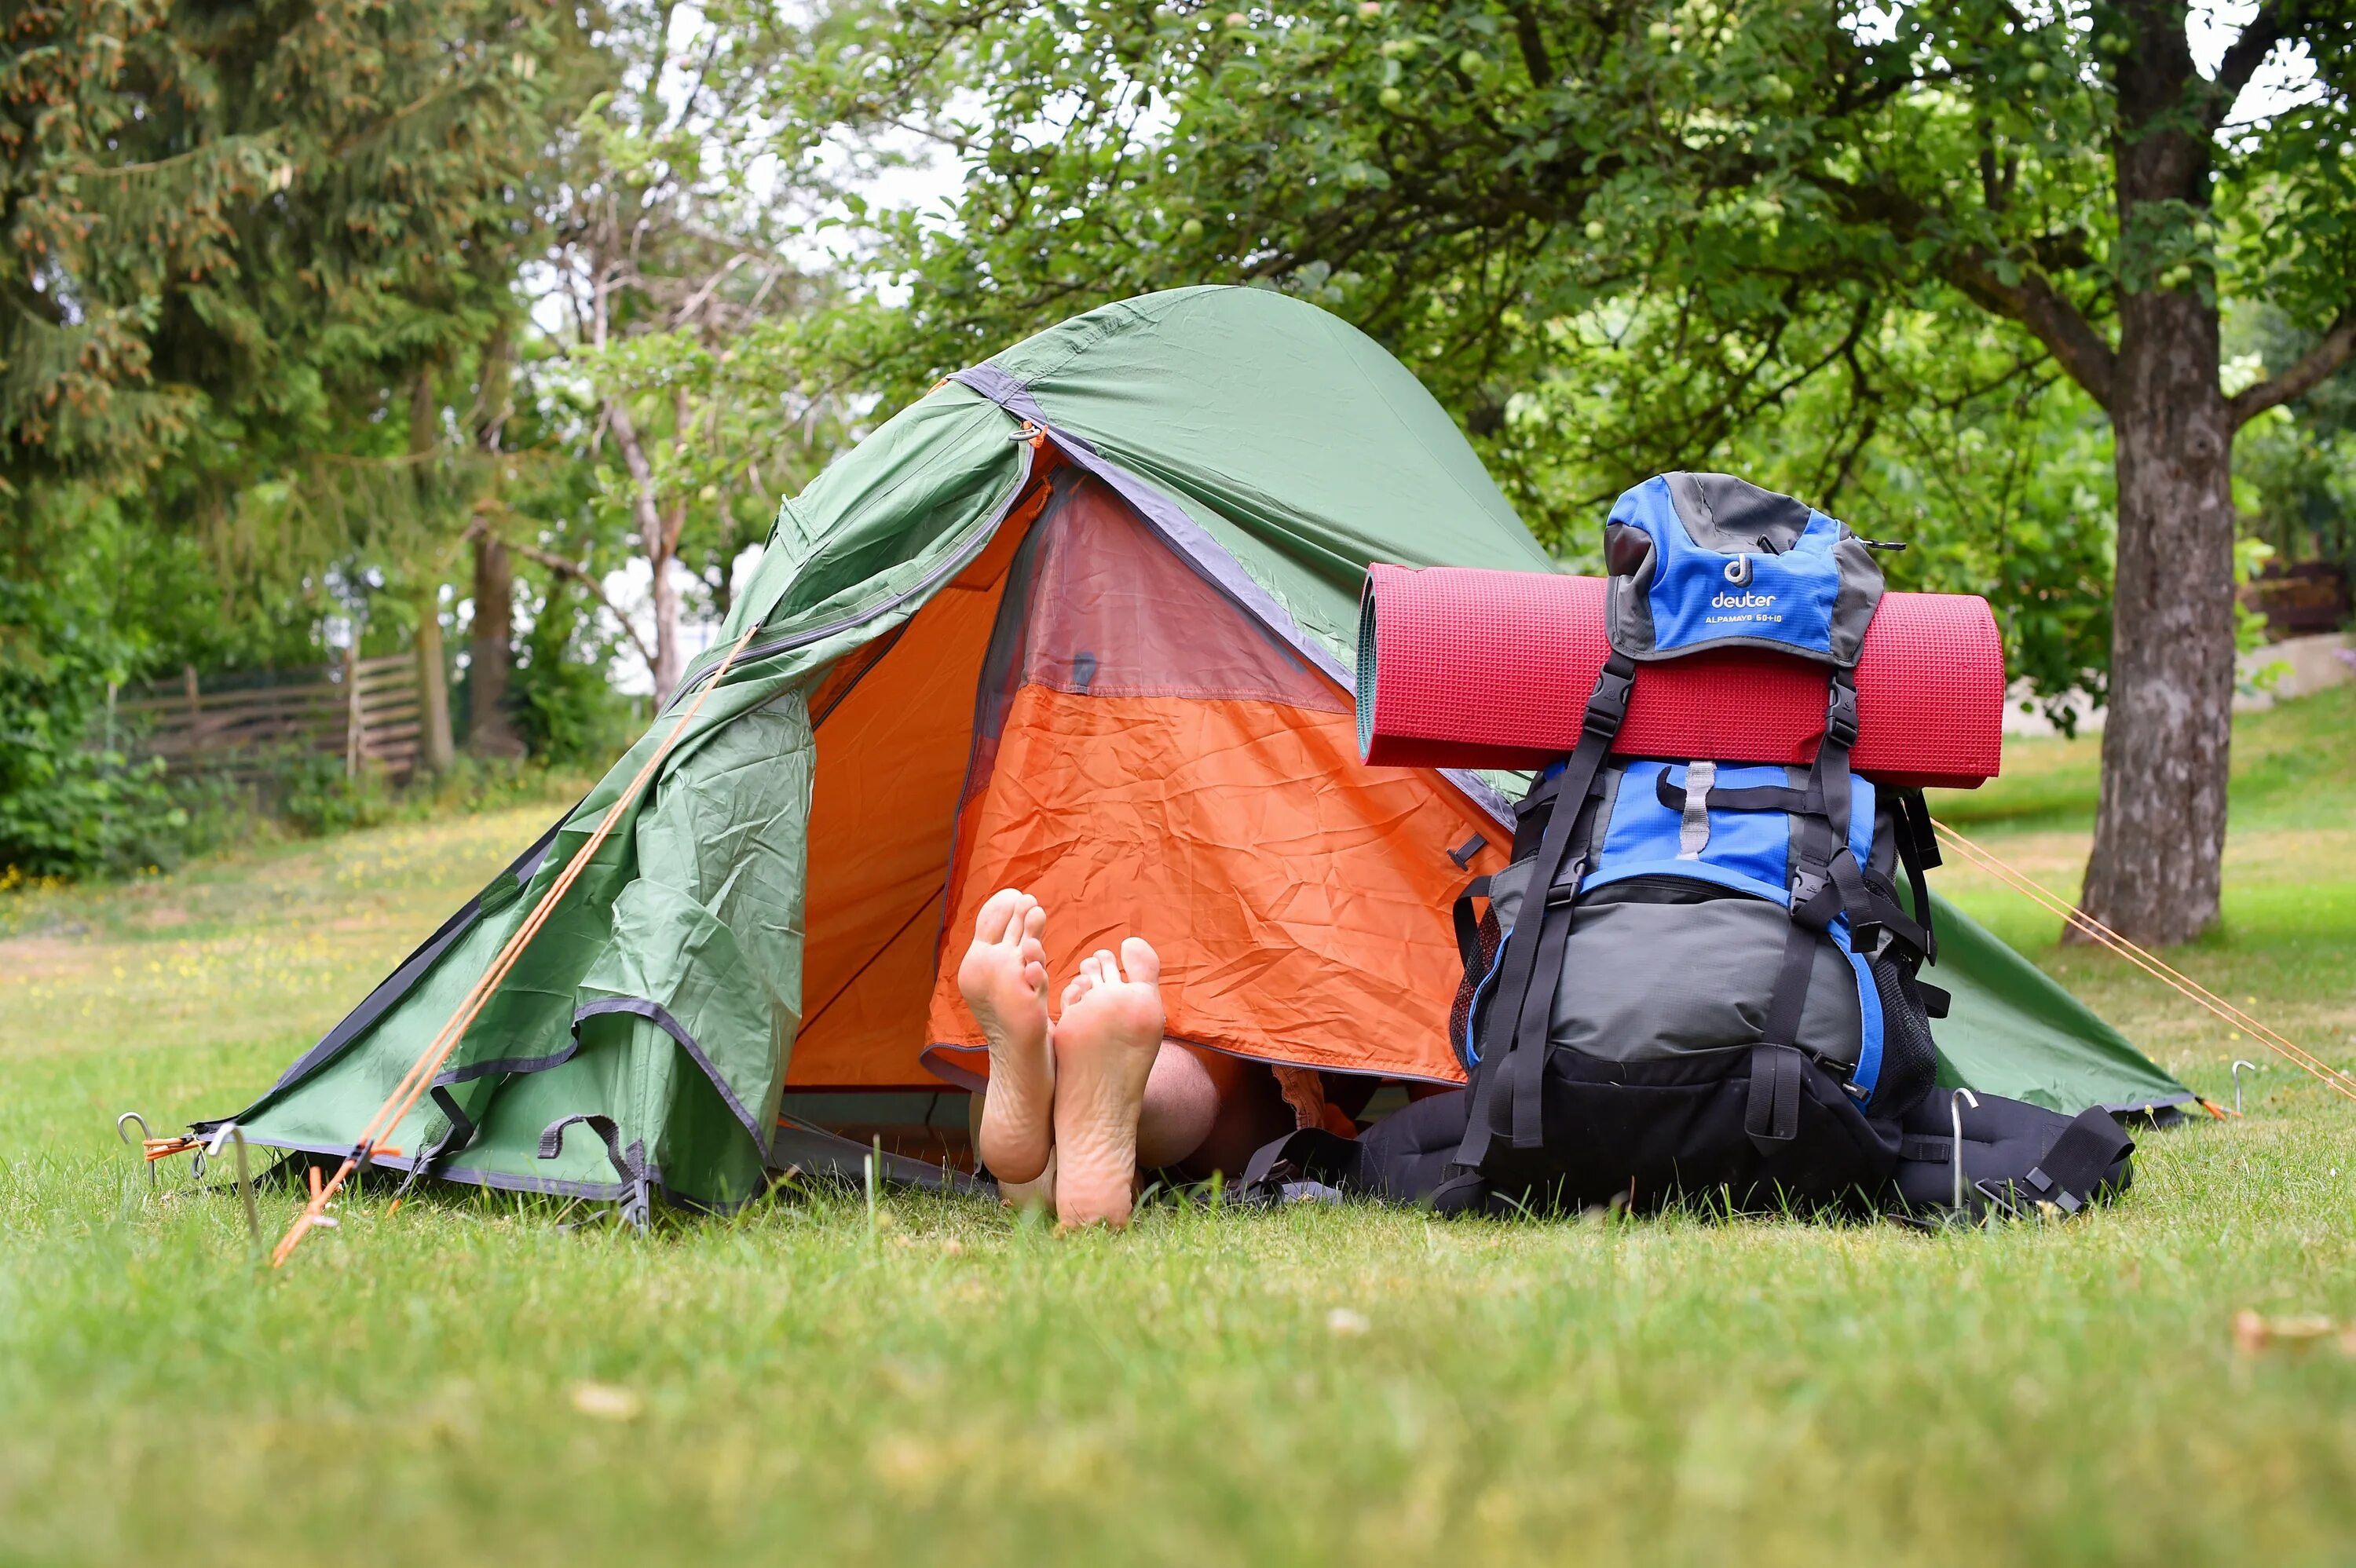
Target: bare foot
[[1004, 981], [1039, 1194], [1104, 1046]]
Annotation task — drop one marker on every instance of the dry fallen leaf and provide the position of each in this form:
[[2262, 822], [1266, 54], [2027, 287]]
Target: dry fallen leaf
[[606, 1402], [2254, 1332]]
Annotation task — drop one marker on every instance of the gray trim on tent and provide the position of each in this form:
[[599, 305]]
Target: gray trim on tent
[[654, 1013], [812, 1150], [507, 1065]]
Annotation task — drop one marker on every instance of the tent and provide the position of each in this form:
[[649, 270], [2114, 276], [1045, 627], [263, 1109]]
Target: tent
[[1081, 620]]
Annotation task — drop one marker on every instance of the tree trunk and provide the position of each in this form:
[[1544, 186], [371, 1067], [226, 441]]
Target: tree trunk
[[2160, 832], [659, 543], [491, 661], [435, 753], [668, 662], [491, 653]]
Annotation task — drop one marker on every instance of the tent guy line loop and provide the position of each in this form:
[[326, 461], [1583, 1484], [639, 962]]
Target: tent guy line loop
[[2333, 1078], [413, 1084]]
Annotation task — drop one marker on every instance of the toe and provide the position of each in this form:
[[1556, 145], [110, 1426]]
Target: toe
[[1140, 962], [1016, 921], [997, 914]]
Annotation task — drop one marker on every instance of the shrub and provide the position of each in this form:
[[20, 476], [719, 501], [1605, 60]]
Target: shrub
[[69, 808], [313, 794]]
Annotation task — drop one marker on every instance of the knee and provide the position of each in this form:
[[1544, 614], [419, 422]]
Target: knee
[[1182, 1104]]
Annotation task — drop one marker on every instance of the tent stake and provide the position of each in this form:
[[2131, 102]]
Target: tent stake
[[1956, 1117], [874, 1164], [232, 1131], [145, 1138], [2237, 1081]]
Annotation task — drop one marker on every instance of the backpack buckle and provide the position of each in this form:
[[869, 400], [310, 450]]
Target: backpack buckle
[[1840, 716], [1609, 703]]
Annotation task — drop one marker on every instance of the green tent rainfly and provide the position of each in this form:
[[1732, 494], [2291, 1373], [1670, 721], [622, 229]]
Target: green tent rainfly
[[642, 1042]]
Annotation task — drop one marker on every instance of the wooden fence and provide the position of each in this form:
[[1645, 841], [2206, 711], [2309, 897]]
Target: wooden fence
[[366, 711]]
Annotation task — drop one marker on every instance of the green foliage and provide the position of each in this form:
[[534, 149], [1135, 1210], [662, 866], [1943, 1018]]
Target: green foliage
[[2297, 463], [310, 792], [225, 220], [1867, 253], [252, 247], [683, 212], [570, 715], [316, 794], [72, 803], [68, 811]]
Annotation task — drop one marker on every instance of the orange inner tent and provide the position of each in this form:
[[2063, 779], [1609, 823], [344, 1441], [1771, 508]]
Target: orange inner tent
[[1084, 715]]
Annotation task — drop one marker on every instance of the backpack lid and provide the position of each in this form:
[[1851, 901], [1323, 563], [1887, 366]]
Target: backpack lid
[[1707, 561]]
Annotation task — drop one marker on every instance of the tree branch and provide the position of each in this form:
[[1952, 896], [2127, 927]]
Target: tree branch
[[2059, 324], [2317, 367], [2034, 301], [582, 575], [1534, 58], [2241, 62]]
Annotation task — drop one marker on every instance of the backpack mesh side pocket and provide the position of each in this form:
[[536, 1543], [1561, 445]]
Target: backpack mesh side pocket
[[1487, 940], [1909, 1060]]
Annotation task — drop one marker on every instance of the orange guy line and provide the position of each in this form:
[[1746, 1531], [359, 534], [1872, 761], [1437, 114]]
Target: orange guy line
[[413, 1084]]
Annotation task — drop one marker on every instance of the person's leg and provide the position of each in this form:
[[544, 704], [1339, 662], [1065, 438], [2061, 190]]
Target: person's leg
[[1105, 1043], [1004, 981], [1182, 1105], [1206, 1111]]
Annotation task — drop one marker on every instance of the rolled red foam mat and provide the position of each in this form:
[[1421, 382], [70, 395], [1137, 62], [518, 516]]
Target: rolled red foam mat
[[1460, 667]]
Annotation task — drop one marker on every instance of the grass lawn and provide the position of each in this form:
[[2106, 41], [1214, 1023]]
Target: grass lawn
[[463, 1381]]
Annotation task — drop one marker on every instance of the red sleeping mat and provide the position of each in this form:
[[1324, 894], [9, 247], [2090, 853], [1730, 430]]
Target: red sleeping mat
[[1466, 669]]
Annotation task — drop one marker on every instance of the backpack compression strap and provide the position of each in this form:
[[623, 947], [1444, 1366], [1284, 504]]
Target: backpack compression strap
[[1826, 883], [1508, 1091]]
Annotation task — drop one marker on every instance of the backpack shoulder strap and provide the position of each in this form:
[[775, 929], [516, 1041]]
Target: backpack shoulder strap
[[1507, 1088]]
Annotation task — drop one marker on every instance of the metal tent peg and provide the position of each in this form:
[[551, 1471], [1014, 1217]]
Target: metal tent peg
[[2237, 1081], [1955, 1121]]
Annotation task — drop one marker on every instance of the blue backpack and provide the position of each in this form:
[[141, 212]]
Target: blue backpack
[[1696, 976], [1721, 942]]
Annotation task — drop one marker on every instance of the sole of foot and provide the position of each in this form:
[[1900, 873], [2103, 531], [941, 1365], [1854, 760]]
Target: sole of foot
[[1106, 1041], [1003, 979]]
